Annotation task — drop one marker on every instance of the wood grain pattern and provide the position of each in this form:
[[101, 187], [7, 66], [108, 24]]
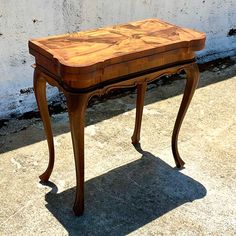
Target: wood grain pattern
[[105, 53], [94, 62], [117, 43]]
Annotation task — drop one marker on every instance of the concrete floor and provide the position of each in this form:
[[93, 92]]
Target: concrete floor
[[129, 191]]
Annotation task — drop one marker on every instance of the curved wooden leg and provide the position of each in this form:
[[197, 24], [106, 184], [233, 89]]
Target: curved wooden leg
[[76, 109], [141, 89], [191, 84], [40, 94]]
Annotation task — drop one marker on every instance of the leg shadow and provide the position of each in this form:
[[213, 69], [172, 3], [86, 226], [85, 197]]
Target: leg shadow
[[126, 198]]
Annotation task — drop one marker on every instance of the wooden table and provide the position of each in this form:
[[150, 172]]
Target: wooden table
[[94, 62]]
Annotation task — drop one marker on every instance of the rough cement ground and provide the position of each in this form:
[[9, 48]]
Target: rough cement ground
[[129, 191]]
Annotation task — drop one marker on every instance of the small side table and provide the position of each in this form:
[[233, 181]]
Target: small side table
[[94, 62]]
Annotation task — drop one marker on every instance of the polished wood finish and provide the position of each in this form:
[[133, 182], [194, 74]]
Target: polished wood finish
[[101, 55], [141, 89], [40, 94], [94, 62], [77, 104], [105, 46], [191, 84]]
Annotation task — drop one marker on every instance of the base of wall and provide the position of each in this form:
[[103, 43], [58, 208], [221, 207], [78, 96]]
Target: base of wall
[[23, 104]]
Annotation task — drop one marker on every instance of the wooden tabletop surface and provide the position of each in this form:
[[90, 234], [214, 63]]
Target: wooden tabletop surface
[[118, 43]]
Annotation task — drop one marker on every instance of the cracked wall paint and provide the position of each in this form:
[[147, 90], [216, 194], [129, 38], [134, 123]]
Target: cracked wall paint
[[22, 20]]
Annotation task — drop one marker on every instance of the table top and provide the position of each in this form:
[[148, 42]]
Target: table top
[[110, 45]]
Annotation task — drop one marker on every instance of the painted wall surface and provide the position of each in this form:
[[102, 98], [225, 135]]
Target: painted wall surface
[[25, 19]]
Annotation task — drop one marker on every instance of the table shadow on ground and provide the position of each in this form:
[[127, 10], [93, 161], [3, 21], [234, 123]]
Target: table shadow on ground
[[126, 198]]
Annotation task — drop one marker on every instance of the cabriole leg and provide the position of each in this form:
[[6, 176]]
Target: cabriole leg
[[141, 89], [40, 94], [191, 84], [76, 108]]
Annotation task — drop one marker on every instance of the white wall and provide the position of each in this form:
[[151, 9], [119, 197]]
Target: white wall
[[24, 19]]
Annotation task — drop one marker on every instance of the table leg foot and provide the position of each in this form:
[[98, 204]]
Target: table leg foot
[[40, 94], [76, 109], [78, 209], [141, 89], [191, 84]]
